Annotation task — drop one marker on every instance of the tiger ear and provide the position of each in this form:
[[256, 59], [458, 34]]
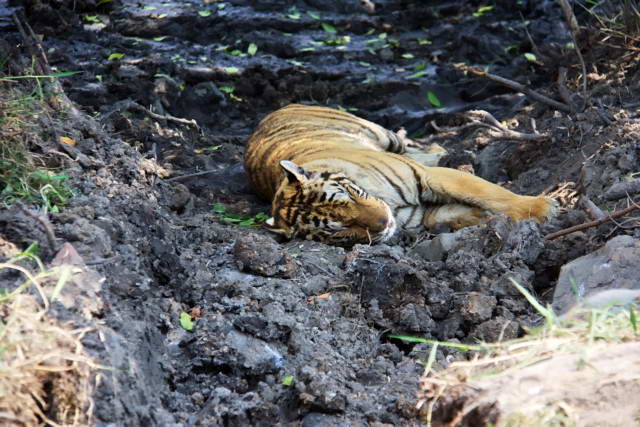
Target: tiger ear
[[294, 172]]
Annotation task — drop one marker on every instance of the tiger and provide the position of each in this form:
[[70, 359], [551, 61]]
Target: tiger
[[339, 179]]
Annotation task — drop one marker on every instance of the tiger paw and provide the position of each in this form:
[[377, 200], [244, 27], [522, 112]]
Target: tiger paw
[[539, 208]]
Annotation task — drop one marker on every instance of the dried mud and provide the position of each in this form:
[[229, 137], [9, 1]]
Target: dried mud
[[269, 310]]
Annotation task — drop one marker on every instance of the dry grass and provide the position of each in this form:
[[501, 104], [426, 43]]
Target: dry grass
[[552, 376], [45, 375]]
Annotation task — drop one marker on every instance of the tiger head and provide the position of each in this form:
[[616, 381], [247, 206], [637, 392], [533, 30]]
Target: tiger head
[[327, 207]]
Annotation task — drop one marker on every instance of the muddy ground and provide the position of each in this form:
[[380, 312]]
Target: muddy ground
[[268, 310]]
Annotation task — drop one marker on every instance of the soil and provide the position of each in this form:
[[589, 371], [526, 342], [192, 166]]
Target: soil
[[297, 332]]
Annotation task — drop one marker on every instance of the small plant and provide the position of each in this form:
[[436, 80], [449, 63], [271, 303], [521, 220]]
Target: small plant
[[23, 175], [244, 221]]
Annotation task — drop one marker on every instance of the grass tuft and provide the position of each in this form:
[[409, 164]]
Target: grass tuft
[[25, 175], [584, 333], [44, 371]]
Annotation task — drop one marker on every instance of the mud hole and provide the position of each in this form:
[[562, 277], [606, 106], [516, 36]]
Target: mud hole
[[269, 310]]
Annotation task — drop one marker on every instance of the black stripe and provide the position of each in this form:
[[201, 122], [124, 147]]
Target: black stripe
[[413, 213], [294, 217], [416, 176], [393, 184]]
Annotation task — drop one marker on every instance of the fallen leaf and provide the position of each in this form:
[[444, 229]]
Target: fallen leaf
[[69, 141]]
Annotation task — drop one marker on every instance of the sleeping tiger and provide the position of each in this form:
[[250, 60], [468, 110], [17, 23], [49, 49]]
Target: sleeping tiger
[[340, 179]]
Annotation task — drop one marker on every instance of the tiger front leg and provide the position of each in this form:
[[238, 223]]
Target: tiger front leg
[[453, 215], [450, 186]]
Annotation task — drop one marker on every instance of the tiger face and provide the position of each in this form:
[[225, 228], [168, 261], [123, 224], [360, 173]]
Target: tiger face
[[328, 207]]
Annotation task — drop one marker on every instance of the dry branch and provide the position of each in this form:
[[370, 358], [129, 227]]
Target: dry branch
[[590, 224], [481, 118], [517, 87]]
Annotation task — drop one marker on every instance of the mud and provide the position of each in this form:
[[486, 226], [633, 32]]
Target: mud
[[297, 332]]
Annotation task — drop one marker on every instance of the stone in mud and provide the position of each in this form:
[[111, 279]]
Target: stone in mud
[[494, 330], [615, 266], [261, 255], [437, 248], [476, 307]]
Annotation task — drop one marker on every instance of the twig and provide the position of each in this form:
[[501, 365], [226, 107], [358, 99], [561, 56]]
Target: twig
[[562, 88], [497, 130], [517, 87], [129, 104], [51, 238], [584, 226], [573, 27], [191, 175]]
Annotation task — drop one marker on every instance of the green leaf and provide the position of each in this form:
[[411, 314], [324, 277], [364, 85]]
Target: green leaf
[[204, 13], [422, 42], [287, 381], [232, 70], [417, 75], [328, 28], [149, 8], [633, 319], [308, 49], [101, 2], [159, 39], [419, 67], [261, 217], [115, 56], [186, 322], [219, 208], [407, 56], [313, 15], [530, 57], [296, 63], [293, 15], [92, 18], [482, 10], [433, 99], [235, 52], [252, 49], [32, 250], [221, 6], [227, 89]]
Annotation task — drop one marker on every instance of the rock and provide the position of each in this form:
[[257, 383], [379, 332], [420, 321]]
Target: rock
[[498, 329], [259, 254], [179, 197], [615, 266], [476, 307], [257, 356], [436, 248]]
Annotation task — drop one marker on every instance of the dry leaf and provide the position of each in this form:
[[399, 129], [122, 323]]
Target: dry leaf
[[69, 141]]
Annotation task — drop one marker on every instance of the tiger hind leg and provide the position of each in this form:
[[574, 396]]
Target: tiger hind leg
[[451, 186]]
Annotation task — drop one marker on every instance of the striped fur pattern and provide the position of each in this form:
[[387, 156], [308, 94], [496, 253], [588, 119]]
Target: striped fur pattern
[[340, 179]]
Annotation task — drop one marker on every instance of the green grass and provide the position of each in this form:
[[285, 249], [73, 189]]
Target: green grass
[[244, 221], [24, 175]]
